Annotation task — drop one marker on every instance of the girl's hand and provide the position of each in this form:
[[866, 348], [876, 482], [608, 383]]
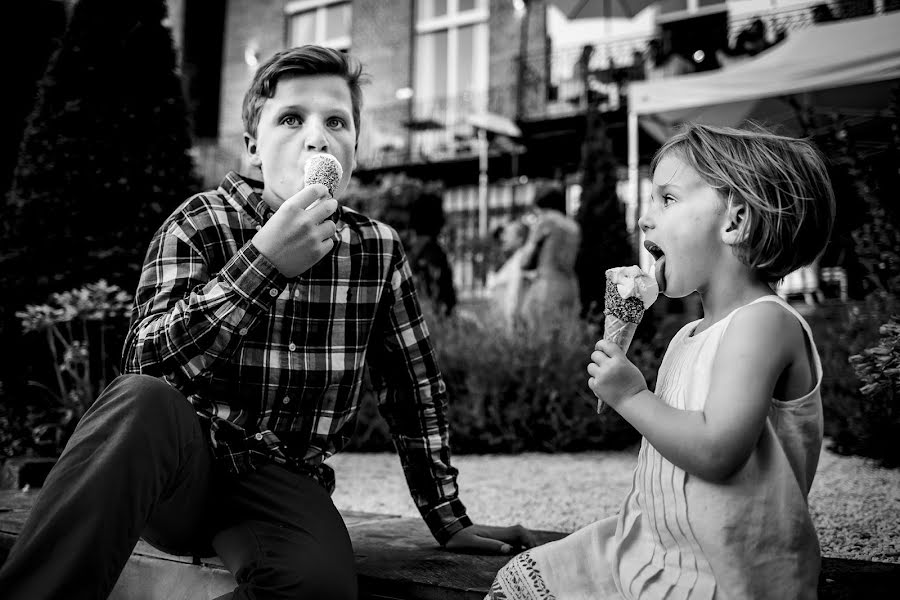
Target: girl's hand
[[613, 377]]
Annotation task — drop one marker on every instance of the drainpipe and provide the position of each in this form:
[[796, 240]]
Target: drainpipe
[[523, 55], [410, 113]]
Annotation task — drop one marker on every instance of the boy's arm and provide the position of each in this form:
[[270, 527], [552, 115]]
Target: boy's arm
[[414, 404], [185, 319], [713, 443]]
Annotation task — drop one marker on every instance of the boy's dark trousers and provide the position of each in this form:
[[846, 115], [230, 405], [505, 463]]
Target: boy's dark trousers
[[139, 464]]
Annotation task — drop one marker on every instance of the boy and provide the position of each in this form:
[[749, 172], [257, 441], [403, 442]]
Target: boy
[[255, 316]]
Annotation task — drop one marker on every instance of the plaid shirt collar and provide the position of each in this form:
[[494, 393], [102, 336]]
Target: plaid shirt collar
[[247, 193]]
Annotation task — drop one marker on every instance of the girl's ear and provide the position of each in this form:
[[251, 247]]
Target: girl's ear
[[735, 224], [250, 145]]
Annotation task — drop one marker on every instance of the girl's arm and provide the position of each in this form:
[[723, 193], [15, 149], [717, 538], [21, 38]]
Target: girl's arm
[[713, 443]]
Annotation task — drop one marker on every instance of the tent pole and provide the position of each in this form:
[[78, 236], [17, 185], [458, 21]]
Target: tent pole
[[633, 199], [482, 182]]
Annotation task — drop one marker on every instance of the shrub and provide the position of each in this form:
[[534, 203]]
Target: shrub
[[104, 159], [605, 241], [864, 424], [517, 391], [875, 428], [82, 330]]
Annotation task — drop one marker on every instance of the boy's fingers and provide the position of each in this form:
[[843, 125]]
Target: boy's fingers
[[328, 230], [308, 195], [322, 210]]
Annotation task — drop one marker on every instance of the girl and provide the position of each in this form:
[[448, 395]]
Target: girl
[[732, 435]]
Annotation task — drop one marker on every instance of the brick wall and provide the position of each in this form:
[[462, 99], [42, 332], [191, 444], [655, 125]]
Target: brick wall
[[505, 35], [381, 39], [259, 25]]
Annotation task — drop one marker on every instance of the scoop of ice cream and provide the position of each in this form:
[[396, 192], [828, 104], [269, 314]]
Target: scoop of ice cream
[[632, 282], [324, 169]]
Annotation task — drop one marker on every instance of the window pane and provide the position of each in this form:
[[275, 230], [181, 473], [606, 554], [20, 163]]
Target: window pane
[[429, 9], [337, 21], [466, 5], [303, 28], [431, 66], [465, 60]]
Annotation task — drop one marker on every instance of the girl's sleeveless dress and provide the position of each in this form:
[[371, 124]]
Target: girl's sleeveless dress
[[678, 536]]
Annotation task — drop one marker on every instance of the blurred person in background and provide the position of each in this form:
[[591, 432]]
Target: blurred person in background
[[259, 306], [508, 284], [427, 258], [550, 252]]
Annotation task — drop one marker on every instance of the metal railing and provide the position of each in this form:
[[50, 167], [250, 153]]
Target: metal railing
[[438, 130]]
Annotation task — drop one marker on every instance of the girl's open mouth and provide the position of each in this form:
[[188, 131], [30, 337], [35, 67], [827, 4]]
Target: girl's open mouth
[[660, 267]]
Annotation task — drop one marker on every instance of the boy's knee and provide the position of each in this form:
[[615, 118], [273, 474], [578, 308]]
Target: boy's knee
[[144, 398]]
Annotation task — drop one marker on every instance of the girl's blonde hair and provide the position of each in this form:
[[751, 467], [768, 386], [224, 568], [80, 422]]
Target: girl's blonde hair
[[782, 182]]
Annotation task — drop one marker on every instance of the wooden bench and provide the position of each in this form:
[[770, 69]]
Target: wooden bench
[[396, 559]]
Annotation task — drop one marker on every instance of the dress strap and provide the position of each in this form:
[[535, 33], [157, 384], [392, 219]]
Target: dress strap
[[812, 342]]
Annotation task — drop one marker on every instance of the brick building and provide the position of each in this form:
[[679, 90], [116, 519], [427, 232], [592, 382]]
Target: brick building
[[431, 64]]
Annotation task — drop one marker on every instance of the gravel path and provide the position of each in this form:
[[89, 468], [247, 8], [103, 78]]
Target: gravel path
[[855, 505]]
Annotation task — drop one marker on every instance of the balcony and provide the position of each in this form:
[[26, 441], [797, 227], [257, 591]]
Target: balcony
[[436, 130]]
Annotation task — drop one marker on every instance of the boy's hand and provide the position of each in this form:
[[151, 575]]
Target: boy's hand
[[295, 238], [486, 539], [613, 376]]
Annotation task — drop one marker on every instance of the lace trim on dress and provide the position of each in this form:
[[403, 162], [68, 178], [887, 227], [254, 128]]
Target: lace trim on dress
[[520, 579]]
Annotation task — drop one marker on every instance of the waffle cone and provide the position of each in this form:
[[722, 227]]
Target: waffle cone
[[618, 331]]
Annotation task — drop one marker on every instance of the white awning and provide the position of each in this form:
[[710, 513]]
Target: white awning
[[828, 55]]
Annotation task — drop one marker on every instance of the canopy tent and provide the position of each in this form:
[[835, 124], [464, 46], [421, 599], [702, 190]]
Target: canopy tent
[[828, 56]]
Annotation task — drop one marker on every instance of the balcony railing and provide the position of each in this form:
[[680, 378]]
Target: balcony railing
[[429, 130], [436, 129]]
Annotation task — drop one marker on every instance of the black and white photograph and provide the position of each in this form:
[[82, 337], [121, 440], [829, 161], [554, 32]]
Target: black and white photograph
[[450, 300]]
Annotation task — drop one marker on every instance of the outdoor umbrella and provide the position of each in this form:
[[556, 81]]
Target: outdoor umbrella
[[588, 9]]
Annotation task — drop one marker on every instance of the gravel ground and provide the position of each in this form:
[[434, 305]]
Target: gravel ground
[[855, 505]]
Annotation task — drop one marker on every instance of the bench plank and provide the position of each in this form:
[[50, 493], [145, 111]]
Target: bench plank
[[396, 559], [401, 557]]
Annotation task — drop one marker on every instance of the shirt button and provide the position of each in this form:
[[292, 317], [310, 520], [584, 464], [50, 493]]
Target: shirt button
[[273, 292], [258, 227], [243, 331], [258, 437], [292, 346], [287, 400]]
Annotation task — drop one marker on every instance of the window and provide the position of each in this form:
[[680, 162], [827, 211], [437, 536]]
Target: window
[[322, 22], [451, 64]]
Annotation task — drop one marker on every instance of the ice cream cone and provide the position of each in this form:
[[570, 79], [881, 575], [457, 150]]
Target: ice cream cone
[[618, 331], [628, 294]]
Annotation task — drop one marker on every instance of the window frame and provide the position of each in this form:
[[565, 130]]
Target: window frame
[[319, 8], [452, 22]]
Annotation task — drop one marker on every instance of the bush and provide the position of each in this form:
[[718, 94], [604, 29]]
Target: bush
[[864, 424], [520, 391], [605, 241], [79, 334], [876, 427], [103, 160]]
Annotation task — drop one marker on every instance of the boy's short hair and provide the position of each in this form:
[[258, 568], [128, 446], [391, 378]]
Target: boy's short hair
[[782, 181], [302, 60]]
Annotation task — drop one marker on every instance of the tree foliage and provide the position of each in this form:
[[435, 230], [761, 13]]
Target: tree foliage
[[103, 160], [105, 154], [605, 241]]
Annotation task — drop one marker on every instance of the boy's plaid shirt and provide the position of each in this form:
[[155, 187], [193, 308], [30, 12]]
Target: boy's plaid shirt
[[273, 365]]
